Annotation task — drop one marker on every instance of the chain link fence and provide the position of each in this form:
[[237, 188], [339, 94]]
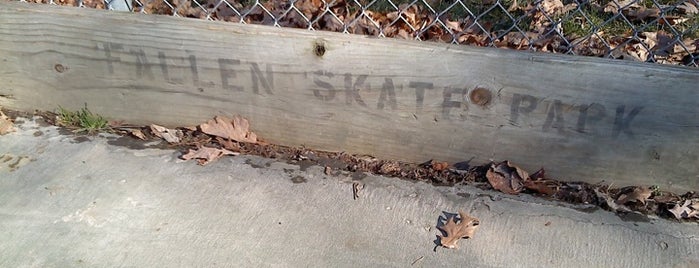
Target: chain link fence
[[661, 31]]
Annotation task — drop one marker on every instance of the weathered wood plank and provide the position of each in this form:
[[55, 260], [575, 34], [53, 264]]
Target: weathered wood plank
[[582, 118]]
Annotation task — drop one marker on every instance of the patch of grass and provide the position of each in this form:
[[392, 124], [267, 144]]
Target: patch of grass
[[82, 120], [578, 25]]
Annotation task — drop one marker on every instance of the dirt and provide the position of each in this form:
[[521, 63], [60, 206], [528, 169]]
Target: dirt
[[592, 196]]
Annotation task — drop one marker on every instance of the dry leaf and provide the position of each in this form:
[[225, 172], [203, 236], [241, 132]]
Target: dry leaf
[[205, 155], [453, 25], [552, 7], [513, 7], [688, 8], [539, 186], [228, 144], [389, 168], [6, 125], [689, 209], [439, 166], [506, 178], [539, 174], [604, 198], [639, 194], [137, 133], [643, 13], [454, 231], [169, 135], [537, 182], [236, 129], [614, 6]]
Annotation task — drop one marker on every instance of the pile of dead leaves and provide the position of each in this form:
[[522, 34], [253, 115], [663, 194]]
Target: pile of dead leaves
[[508, 178], [223, 136], [621, 29], [216, 138], [226, 131]]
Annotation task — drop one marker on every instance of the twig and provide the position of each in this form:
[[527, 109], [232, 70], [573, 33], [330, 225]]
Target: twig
[[417, 260]]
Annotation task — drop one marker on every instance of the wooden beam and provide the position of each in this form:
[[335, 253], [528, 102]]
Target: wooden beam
[[582, 118]]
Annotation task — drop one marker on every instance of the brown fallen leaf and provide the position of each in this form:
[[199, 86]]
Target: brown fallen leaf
[[688, 209], [639, 194], [205, 155], [439, 166], [389, 167], [688, 8], [615, 6], [537, 182], [551, 7], [506, 177], [604, 198], [539, 186], [642, 13], [539, 174], [6, 125], [228, 144], [454, 231], [137, 133], [235, 129], [169, 135]]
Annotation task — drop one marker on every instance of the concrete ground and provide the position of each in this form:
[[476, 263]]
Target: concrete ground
[[83, 202]]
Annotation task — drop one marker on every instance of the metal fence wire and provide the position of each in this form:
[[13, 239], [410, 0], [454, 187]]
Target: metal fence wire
[[661, 31]]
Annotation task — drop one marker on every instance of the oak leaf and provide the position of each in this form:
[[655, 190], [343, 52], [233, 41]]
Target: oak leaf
[[506, 177], [235, 129], [454, 231], [205, 155]]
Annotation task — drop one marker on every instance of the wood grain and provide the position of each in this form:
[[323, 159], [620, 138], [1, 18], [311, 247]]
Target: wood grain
[[581, 118]]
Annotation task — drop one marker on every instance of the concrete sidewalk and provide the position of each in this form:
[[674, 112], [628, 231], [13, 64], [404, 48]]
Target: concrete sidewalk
[[82, 202]]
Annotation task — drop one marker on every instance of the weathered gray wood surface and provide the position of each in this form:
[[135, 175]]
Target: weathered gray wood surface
[[581, 118]]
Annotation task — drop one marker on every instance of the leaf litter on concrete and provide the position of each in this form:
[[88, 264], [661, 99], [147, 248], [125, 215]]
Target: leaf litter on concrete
[[224, 136], [503, 176]]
